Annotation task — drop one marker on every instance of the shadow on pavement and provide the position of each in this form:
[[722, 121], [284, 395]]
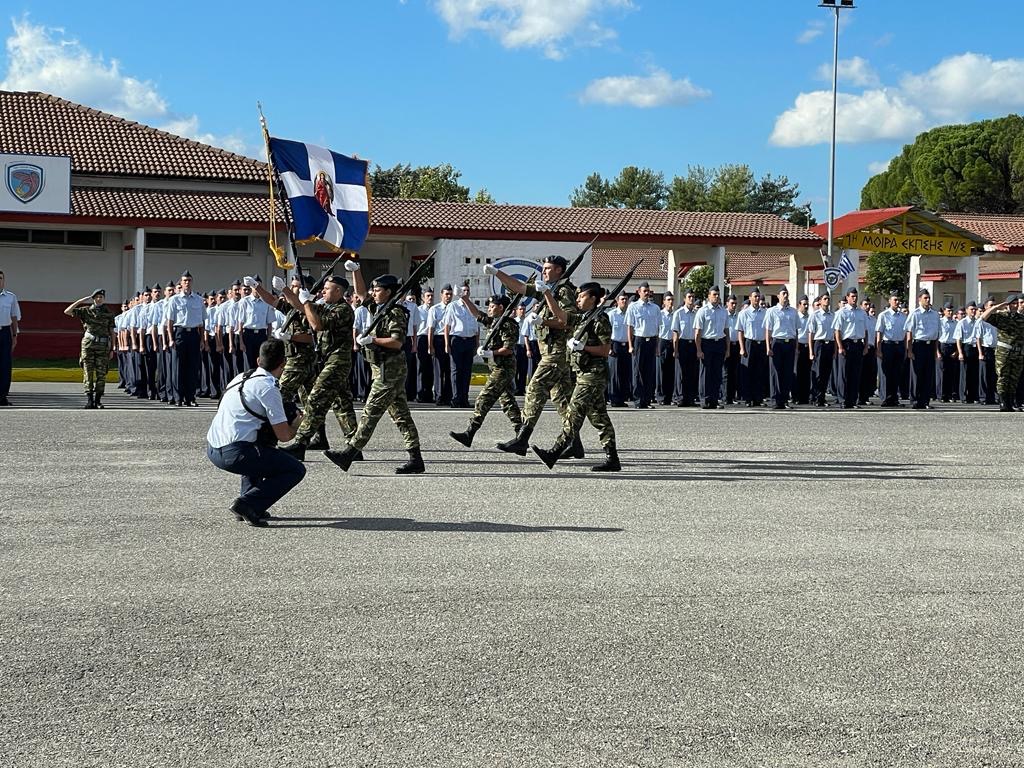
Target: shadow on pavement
[[417, 526]]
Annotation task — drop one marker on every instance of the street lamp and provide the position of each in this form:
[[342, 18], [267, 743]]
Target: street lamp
[[843, 4]]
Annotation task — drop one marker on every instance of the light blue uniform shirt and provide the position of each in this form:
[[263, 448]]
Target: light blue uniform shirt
[[821, 325], [421, 314], [361, 318], [618, 321], [782, 322], [751, 323], [256, 314], [892, 325], [684, 322], [8, 308], [712, 322], [665, 325], [987, 333], [527, 331], [644, 318], [435, 317], [801, 326], [186, 310], [923, 325], [851, 323], [460, 320], [947, 327], [967, 331], [733, 326]]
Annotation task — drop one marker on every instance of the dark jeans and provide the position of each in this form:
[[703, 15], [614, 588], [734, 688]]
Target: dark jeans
[[463, 350], [6, 361], [267, 473]]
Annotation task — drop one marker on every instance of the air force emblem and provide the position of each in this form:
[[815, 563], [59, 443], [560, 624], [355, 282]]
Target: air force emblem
[[24, 181]]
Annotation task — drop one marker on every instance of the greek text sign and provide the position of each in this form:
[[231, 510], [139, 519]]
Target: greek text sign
[[922, 245]]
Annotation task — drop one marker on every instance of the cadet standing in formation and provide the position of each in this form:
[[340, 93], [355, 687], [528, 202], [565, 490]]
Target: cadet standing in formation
[[589, 361], [753, 355], [711, 332], [781, 325], [551, 376], [501, 360], [890, 335], [966, 336], [187, 315], [643, 323], [851, 330], [685, 353], [620, 365], [98, 322], [922, 340], [821, 342]]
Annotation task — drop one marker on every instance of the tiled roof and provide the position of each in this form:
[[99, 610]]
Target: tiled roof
[[612, 262], [907, 218], [170, 205], [406, 216], [743, 265], [989, 267], [1007, 232], [103, 144]]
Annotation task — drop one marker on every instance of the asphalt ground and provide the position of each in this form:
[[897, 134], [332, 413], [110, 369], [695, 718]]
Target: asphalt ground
[[755, 588]]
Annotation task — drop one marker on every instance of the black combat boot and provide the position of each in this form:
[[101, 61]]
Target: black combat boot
[[466, 438], [551, 457], [1005, 405], [298, 450], [611, 464], [343, 458], [414, 466], [319, 442], [90, 403], [98, 401], [519, 443], [574, 450]]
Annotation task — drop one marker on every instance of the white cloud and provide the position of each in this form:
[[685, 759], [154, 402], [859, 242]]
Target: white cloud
[[532, 23], [872, 116], [813, 30], [879, 166], [657, 89], [44, 59], [856, 71], [957, 89]]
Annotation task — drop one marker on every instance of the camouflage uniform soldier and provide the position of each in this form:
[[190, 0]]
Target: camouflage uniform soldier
[[501, 359], [552, 377], [1009, 348], [332, 322], [385, 353], [589, 361], [300, 366], [98, 322]]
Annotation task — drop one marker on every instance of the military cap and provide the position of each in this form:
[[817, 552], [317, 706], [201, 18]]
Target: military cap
[[558, 261], [146, 289], [644, 284], [100, 292], [755, 290], [948, 305], [713, 289], [499, 298], [783, 289], [257, 278], [171, 283], [222, 293], [972, 304], [337, 280], [236, 284], [623, 294], [854, 291], [894, 294], [690, 293], [804, 298], [447, 287], [1012, 297], [923, 292], [667, 294], [387, 282], [732, 297], [157, 287], [186, 273], [594, 289]]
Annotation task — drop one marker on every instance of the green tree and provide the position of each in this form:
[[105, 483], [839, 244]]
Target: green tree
[[595, 193], [429, 182], [484, 197], [732, 189], [975, 168], [699, 280], [692, 191], [887, 272], [632, 188]]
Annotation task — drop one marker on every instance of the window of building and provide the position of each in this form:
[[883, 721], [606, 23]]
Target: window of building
[[84, 238], [174, 241]]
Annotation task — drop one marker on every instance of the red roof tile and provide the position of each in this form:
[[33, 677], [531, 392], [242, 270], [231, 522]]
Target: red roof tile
[[743, 265], [103, 144], [855, 220], [612, 262], [1006, 232]]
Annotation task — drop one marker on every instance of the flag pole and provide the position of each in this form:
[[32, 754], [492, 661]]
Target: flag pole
[[275, 180]]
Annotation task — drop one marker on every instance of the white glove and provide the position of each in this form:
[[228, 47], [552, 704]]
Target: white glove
[[282, 335], [249, 281], [576, 345], [485, 354], [351, 266], [364, 340], [278, 283], [305, 296], [490, 269], [541, 287], [533, 318]]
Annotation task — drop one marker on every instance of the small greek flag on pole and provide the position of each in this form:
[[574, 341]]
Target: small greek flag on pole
[[846, 267], [328, 193]]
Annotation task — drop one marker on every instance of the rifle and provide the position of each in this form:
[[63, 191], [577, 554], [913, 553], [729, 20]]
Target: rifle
[[576, 262], [317, 286], [588, 318], [512, 307], [398, 295]]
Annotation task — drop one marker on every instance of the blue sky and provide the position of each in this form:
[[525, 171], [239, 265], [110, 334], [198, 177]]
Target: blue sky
[[527, 97]]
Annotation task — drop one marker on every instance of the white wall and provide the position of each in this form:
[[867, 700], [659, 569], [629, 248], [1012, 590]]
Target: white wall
[[63, 273]]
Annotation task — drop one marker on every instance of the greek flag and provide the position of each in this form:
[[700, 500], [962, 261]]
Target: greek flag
[[328, 193], [846, 267]]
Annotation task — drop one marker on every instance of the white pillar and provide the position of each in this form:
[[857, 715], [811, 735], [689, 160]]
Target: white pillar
[[969, 265], [139, 260], [915, 280], [717, 262], [793, 284], [670, 271]]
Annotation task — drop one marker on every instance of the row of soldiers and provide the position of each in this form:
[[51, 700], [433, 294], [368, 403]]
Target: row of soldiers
[[803, 355]]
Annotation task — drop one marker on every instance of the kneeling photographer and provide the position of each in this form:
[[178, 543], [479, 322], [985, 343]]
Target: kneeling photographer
[[243, 437]]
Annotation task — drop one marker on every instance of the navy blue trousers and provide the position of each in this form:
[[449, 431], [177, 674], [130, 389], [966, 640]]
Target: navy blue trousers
[[644, 370], [267, 473], [6, 361], [463, 350]]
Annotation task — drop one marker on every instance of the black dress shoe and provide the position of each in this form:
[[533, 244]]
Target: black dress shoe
[[249, 514], [4, 402]]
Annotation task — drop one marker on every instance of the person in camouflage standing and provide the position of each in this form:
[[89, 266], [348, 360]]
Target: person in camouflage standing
[[384, 351], [332, 323], [589, 360], [501, 359], [551, 377], [1009, 348], [98, 322]]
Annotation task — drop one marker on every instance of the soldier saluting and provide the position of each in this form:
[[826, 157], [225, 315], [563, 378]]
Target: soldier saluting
[[98, 322], [1009, 348]]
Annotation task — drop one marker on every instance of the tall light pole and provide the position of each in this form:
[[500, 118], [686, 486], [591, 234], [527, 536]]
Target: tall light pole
[[832, 152]]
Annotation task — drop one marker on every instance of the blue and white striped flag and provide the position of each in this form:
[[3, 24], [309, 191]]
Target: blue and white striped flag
[[846, 267], [329, 193]]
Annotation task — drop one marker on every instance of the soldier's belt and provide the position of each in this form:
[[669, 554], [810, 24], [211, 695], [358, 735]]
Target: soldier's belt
[[1011, 347]]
